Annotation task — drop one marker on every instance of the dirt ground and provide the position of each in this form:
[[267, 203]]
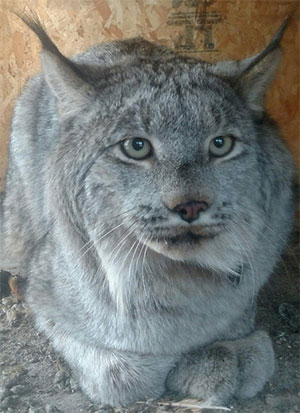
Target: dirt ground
[[33, 379]]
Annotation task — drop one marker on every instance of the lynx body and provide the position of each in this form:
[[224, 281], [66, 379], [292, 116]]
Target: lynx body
[[148, 199]]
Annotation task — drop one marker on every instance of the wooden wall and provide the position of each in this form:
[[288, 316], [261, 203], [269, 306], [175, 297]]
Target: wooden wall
[[210, 29]]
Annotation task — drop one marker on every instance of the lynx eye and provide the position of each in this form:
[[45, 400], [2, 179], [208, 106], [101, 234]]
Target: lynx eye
[[136, 148], [221, 145]]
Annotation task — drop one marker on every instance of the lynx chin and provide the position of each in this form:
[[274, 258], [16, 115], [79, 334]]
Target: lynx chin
[[148, 199]]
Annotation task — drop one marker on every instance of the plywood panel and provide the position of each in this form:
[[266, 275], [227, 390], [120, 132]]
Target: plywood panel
[[210, 29]]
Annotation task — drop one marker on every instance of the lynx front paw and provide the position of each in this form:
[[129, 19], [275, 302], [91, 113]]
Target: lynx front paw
[[256, 363], [225, 369], [209, 374]]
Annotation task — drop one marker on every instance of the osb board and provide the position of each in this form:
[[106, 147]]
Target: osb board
[[210, 29]]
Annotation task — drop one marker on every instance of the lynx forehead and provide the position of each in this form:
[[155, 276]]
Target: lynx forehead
[[151, 198]]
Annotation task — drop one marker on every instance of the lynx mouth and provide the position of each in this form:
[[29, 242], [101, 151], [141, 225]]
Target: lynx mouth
[[189, 238], [182, 243]]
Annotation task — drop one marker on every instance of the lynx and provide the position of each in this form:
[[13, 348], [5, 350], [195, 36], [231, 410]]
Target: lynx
[[148, 199]]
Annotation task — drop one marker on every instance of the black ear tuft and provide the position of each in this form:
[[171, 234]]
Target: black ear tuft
[[63, 76], [33, 21], [274, 44], [252, 76]]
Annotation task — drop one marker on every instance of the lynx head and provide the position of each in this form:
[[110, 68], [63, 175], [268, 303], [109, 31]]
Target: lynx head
[[163, 155]]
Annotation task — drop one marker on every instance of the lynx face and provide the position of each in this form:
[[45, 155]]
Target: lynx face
[[177, 172]]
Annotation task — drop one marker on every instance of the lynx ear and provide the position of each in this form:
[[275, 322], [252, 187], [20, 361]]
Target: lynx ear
[[73, 93], [63, 76], [251, 77], [254, 82]]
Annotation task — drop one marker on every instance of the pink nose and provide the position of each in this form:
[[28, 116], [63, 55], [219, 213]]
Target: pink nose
[[189, 211]]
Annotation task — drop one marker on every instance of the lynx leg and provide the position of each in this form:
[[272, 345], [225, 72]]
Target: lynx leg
[[113, 377], [225, 369]]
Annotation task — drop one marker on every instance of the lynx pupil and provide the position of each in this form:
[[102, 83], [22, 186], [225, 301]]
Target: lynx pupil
[[137, 144], [219, 142]]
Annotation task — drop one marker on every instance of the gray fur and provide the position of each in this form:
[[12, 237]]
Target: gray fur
[[133, 310]]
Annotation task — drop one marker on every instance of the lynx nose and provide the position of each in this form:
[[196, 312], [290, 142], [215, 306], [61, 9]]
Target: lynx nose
[[189, 211]]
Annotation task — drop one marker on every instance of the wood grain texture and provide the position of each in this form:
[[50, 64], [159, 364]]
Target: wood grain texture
[[210, 29]]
